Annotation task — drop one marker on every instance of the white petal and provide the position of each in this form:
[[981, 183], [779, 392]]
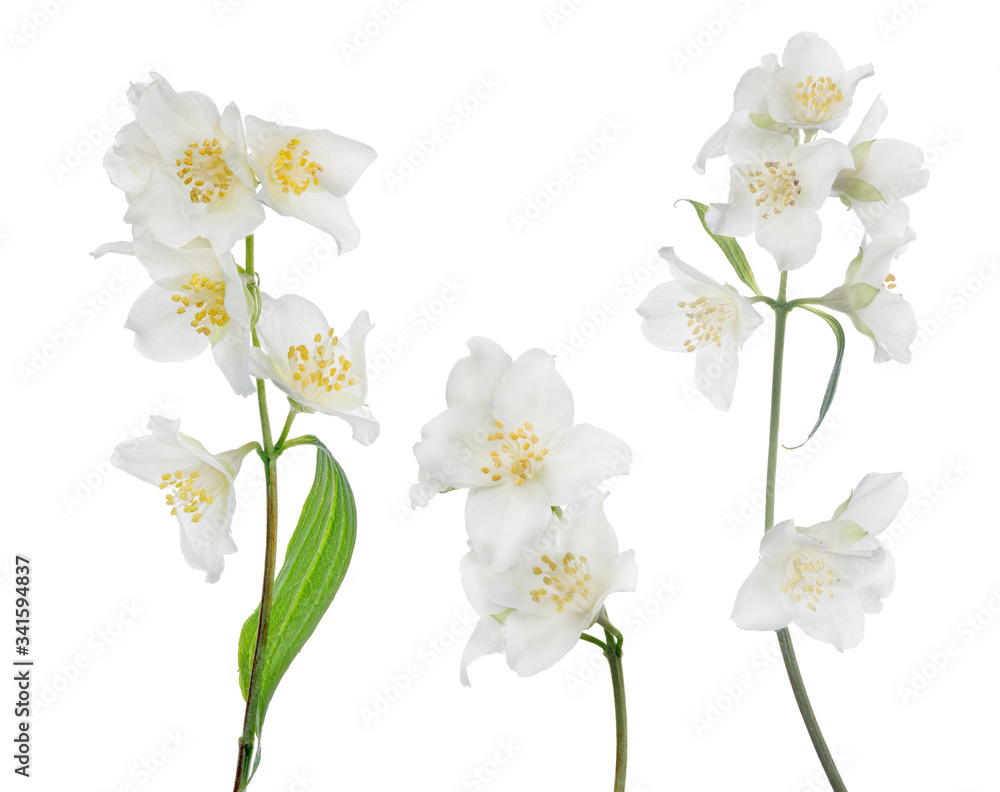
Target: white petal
[[504, 523], [870, 124], [837, 620], [664, 321], [535, 643], [791, 237], [532, 390], [890, 322], [161, 333], [760, 605], [453, 448], [817, 165], [895, 168], [875, 502], [486, 639], [580, 459], [715, 146], [716, 370], [474, 379]]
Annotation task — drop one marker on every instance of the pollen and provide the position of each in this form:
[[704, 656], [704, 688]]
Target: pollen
[[890, 283], [774, 188], [514, 454], [809, 579], [566, 583], [205, 299], [318, 369], [183, 492], [706, 320], [295, 172], [821, 99], [204, 169]]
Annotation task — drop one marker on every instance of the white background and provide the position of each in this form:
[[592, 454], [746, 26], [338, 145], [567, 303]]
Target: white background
[[136, 655]]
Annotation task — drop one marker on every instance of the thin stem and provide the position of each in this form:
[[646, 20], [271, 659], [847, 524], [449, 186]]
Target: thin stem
[[280, 444], [781, 309], [613, 651], [595, 641], [244, 762]]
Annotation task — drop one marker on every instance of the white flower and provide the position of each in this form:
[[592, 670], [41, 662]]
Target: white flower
[[749, 96], [884, 172], [184, 168], [868, 297], [776, 189], [535, 612], [318, 370], [198, 299], [695, 313], [306, 173], [508, 436], [811, 89], [198, 487], [826, 577]]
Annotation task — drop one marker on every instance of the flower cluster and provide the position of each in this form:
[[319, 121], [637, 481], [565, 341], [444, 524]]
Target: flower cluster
[[783, 167], [197, 181], [543, 557]]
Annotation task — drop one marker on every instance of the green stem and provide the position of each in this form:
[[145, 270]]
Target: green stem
[[781, 309], [613, 652], [280, 445], [244, 764]]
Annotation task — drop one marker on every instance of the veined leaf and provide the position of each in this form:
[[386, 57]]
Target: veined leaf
[[315, 564], [734, 253], [831, 387]]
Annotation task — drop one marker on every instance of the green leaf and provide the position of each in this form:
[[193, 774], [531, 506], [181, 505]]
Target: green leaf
[[315, 564], [731, 248], [831, 387]]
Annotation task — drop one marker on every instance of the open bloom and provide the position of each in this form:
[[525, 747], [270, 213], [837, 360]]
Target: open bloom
[[535, 612], [306, 173], [694, 313], [184, 168], [884, 172], [776, 190], [318, 370], [868, 296], [198, 299], [508, 436], [826, 577], [811, 89], [197, 486]]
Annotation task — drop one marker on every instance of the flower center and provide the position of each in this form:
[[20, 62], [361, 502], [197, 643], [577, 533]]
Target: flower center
[[809, 578], [514, 453], [564, 583], [706, 318], [184, 494], [205, 171], [818, 97], [774, 187], [208, 298], [295, 172], [319, 368]]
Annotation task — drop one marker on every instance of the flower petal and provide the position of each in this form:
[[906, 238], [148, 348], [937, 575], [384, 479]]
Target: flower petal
[[580, 459], [532, 390], [486, 639], [504, 523], [474, 379], [791, 237]]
